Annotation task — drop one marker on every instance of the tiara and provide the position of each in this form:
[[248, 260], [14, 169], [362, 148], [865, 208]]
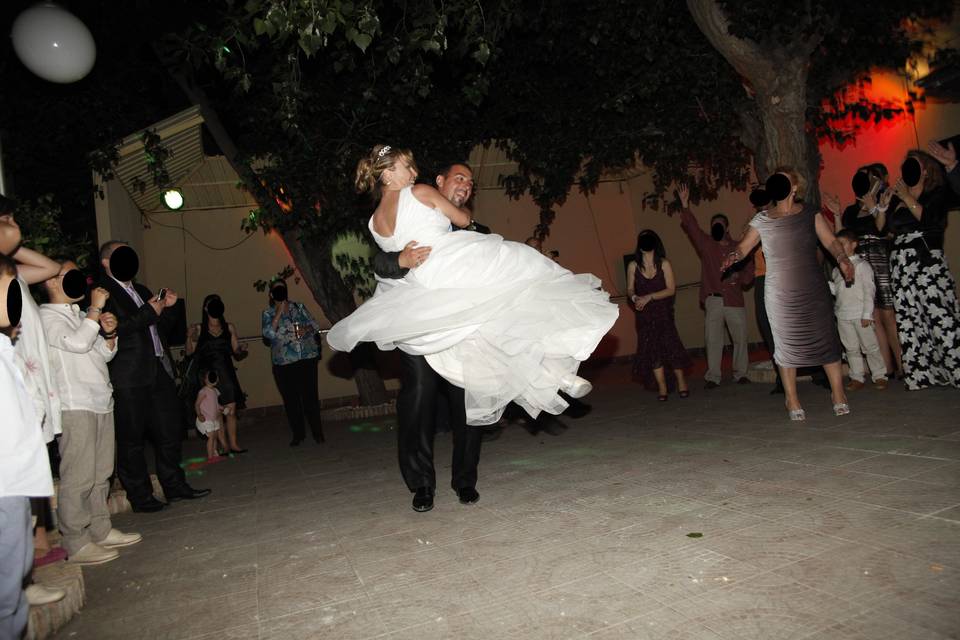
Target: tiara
[[384, 151]]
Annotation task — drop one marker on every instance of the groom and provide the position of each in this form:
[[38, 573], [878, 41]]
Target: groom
[[421, 386]]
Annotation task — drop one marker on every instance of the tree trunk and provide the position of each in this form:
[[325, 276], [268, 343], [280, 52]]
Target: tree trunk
[[315, 263], [778, 79]]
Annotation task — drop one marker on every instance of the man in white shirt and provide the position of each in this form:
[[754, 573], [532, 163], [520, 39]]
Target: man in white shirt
[[854, 311], [79, 357], [24, 468]]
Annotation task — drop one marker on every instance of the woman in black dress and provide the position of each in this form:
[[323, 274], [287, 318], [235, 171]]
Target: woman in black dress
[[652, 293], [214, 344], [925, 293]]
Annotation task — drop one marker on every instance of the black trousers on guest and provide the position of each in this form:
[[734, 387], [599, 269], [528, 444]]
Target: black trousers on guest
[[420, 391], [297, 383], [151, 411]]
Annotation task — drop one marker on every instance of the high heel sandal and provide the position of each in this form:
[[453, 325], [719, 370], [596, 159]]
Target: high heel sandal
[[684, 393], [797, 415], [662, 397], [841, 409]]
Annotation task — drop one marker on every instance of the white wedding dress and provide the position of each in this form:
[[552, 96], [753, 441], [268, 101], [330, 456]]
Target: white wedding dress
[[494, 317]]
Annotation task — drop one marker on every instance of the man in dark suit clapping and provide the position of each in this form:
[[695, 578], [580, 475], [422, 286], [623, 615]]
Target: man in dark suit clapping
[[145, 396]]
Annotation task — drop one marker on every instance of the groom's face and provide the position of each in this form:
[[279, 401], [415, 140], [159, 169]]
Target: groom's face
[[457, 185]]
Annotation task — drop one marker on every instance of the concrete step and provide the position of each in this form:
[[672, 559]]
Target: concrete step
[[45, 620]]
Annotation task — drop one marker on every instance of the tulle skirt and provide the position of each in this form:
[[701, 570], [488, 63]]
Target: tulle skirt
[[494, 317]]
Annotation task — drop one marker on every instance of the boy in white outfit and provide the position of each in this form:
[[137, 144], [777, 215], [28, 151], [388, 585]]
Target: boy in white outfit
[[854, 310], [78, 356]]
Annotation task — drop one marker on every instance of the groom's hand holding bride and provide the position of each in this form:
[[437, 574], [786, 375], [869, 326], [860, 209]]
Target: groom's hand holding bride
[[413, 256]]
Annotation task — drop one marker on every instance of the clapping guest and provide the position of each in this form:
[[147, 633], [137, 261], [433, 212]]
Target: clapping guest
[[946, 155], [80, 355], [294, 351], [867, 219], [216, 345], [928, 313], [652, 290]]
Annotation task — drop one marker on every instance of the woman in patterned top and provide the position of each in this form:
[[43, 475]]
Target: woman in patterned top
[[925, 294], [290, 329]]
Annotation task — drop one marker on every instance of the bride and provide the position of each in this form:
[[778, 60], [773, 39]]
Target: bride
[[494, 317]]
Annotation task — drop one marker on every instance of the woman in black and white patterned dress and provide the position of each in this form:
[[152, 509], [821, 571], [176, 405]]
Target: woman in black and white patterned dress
[[928, 313]]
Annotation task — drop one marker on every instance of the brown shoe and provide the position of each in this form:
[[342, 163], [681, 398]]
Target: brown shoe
[[854, 385], [880, 384]]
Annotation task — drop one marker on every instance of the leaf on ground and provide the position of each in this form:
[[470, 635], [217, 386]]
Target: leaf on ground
[[695, 534]]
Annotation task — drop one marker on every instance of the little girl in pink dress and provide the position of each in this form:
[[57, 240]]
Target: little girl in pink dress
[[210, 415]]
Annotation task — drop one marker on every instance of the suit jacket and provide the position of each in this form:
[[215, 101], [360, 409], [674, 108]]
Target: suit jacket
[[135, 364], [386, 264]]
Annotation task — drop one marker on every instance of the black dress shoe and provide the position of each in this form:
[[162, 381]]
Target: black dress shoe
[[296, 442], [238, 451], [318, 437], [491, 432], [186, 492], [423, 499], [710, 384], [468, 495], [577, 408], [743, 380], [550, 424], [152, 505]]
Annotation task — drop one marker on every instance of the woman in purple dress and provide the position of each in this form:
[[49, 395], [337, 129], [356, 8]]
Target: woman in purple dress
[[650, 278], [796, 295]]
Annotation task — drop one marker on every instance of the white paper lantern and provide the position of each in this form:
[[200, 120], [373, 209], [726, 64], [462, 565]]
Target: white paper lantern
[[53, 43]]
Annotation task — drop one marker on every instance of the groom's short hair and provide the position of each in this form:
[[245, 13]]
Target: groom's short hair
[[447, 168]]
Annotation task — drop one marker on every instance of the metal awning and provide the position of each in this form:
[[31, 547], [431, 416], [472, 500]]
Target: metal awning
[[180, 134]]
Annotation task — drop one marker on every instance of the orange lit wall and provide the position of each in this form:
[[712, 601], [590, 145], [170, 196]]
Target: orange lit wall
[[889, 141]]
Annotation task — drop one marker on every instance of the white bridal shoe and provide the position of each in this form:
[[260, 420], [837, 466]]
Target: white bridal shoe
[[575, 386]]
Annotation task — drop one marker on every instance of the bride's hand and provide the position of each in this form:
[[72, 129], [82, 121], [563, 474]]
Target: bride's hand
[[412, 256]]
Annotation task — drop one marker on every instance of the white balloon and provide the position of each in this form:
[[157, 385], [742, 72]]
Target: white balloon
[[53, 43]]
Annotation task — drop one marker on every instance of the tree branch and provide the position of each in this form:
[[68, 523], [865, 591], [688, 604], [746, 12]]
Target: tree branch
[[744, 55]]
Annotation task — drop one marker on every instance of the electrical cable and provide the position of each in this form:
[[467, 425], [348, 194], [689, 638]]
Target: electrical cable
[[183, 229], [603, 253]]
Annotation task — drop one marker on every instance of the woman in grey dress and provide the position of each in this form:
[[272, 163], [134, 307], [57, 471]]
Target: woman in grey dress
[[796, 295]]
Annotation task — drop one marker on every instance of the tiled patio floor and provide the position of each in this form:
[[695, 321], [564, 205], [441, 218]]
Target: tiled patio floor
[[711, 517]]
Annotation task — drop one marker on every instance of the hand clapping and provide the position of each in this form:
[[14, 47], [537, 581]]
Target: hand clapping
[[945, 155], [108, 322]]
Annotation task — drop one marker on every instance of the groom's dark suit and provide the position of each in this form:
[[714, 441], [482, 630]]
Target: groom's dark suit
[[145, 397], [420, 387]]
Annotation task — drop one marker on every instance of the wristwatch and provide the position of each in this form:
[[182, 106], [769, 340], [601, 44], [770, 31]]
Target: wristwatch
[[93, 308]]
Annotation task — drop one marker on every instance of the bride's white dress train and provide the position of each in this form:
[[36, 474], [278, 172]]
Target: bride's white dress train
[[492, 316]]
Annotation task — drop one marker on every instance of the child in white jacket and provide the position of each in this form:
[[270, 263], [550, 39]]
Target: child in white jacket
[[854, 311]]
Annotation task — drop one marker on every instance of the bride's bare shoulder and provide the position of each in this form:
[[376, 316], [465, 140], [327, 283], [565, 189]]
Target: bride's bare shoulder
[[384, 218], [425, 194]]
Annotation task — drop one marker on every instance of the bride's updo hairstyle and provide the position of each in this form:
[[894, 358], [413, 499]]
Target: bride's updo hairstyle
[[381, 157]]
